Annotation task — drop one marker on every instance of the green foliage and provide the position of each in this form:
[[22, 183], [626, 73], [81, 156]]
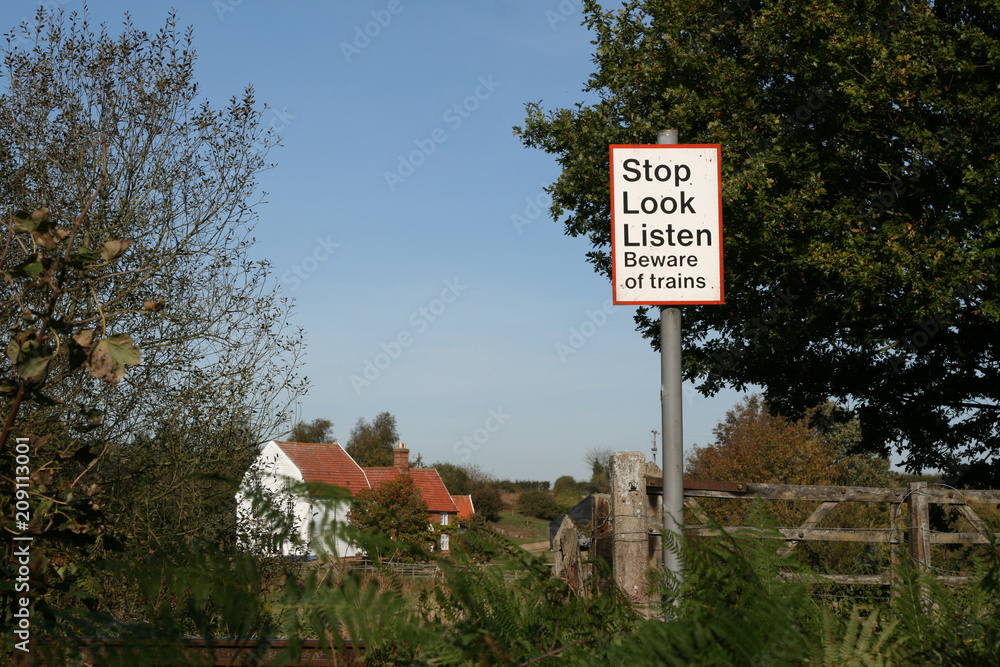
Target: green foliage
[[129, 204], [455, 478], [735, 608], [864, 642], [598, 459], [173, 487], [599, 483], [480, 616], [859, 199], [463, 479], [141, 232], [478, 543], [947, 626], [568, 492], [522, 485], [488, 503], [203, 589], [732, 610], [371, 443], [565, 484], [318, 430], [397, 511], [538, 504]]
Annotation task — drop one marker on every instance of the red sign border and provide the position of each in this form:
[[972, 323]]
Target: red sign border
[[614, 283]]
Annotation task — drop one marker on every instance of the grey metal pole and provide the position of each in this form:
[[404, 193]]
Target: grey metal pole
[[671, 408]]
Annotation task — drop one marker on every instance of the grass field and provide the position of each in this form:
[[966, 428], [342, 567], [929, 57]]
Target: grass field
[[522, 529]]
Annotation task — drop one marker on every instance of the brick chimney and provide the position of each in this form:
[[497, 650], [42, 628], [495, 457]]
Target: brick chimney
[[401, 457]]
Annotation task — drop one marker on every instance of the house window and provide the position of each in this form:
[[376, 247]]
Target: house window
[[444, 538]]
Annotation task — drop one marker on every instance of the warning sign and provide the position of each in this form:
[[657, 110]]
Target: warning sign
[[666, 224]]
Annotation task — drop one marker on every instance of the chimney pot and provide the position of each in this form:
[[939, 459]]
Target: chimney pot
[[401, 457]]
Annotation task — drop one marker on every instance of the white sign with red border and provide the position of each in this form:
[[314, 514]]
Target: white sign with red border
[[666, 224]]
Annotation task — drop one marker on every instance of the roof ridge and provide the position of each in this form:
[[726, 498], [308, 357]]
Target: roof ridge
[[367, 481], [296, 442]]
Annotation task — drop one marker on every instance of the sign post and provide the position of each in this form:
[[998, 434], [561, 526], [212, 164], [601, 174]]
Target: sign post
[[666, 244]]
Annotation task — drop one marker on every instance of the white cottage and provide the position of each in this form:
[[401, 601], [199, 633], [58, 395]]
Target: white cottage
[[280, 463]]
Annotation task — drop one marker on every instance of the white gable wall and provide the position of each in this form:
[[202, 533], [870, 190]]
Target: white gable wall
[[277, 471]]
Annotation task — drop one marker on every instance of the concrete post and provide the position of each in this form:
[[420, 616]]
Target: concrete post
[[630, 537]]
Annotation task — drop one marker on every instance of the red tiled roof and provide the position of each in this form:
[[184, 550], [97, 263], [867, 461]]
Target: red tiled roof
[[464, 505], [330, 464], [432, 489], [326, 463]]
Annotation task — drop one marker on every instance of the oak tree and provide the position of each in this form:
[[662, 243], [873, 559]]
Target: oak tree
[[860, 205]]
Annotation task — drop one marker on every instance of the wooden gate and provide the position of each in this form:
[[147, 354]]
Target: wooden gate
[[908, 508], [636, 519]]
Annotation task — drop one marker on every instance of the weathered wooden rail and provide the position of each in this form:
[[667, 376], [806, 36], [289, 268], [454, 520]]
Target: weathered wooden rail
[[916, 533], [637, 518]]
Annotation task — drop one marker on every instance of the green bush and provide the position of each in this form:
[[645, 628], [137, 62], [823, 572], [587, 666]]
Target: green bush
[[487, 503], [537, 504]]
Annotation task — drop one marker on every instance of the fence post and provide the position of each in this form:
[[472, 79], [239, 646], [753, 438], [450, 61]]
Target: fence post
[[920, 535], [630, 537]]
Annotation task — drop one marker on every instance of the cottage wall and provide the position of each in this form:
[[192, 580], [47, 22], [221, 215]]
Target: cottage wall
[[276, 472]]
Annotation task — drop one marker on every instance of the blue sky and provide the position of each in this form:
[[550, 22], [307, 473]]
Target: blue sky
[[411, 227]]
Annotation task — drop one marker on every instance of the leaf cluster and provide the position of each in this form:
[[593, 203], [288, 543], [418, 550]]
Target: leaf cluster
[[395, 510], [371, 443]]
